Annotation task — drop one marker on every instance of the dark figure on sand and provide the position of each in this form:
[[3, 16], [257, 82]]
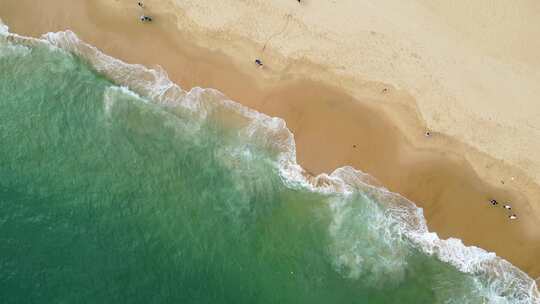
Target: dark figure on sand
[[494, 202], [258, 62]]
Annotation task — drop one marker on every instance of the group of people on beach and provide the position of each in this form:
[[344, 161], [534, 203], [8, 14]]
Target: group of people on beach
[[507, 206], [144, 18]]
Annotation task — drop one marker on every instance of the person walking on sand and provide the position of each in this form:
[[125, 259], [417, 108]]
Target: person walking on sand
[[140, 4], [512, 217], [493, 202], [258, 62], [507, 207]]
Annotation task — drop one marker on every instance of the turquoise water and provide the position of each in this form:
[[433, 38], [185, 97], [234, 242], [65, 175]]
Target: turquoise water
[[110, 197]]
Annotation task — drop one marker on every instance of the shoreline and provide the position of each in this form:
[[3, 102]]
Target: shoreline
[[428, 173]]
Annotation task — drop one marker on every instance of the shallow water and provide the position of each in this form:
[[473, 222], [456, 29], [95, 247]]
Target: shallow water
[[108, 196]]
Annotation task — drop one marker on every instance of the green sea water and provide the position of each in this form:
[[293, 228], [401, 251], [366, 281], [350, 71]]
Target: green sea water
[[109, 197]]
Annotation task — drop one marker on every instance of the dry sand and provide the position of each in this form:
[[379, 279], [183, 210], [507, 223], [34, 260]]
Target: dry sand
[[358, 83]]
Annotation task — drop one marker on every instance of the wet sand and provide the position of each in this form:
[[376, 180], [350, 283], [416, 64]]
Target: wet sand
[[375, 130]]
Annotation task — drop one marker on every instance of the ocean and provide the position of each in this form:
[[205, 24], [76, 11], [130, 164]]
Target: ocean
[[118, 186]]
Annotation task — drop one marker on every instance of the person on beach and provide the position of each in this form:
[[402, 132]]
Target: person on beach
[[493, 202], [258, 62], [507, 207], [428, 134], [512, 217], [140, 4]]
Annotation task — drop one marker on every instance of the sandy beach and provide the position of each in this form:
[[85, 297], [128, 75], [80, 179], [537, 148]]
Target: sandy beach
[[359, 83]]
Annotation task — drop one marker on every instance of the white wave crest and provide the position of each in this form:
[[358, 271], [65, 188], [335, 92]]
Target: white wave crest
[[4, 29]]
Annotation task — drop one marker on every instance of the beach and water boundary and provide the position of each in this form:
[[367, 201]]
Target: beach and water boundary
[[456, 200], [493, 279], [500, 236]]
